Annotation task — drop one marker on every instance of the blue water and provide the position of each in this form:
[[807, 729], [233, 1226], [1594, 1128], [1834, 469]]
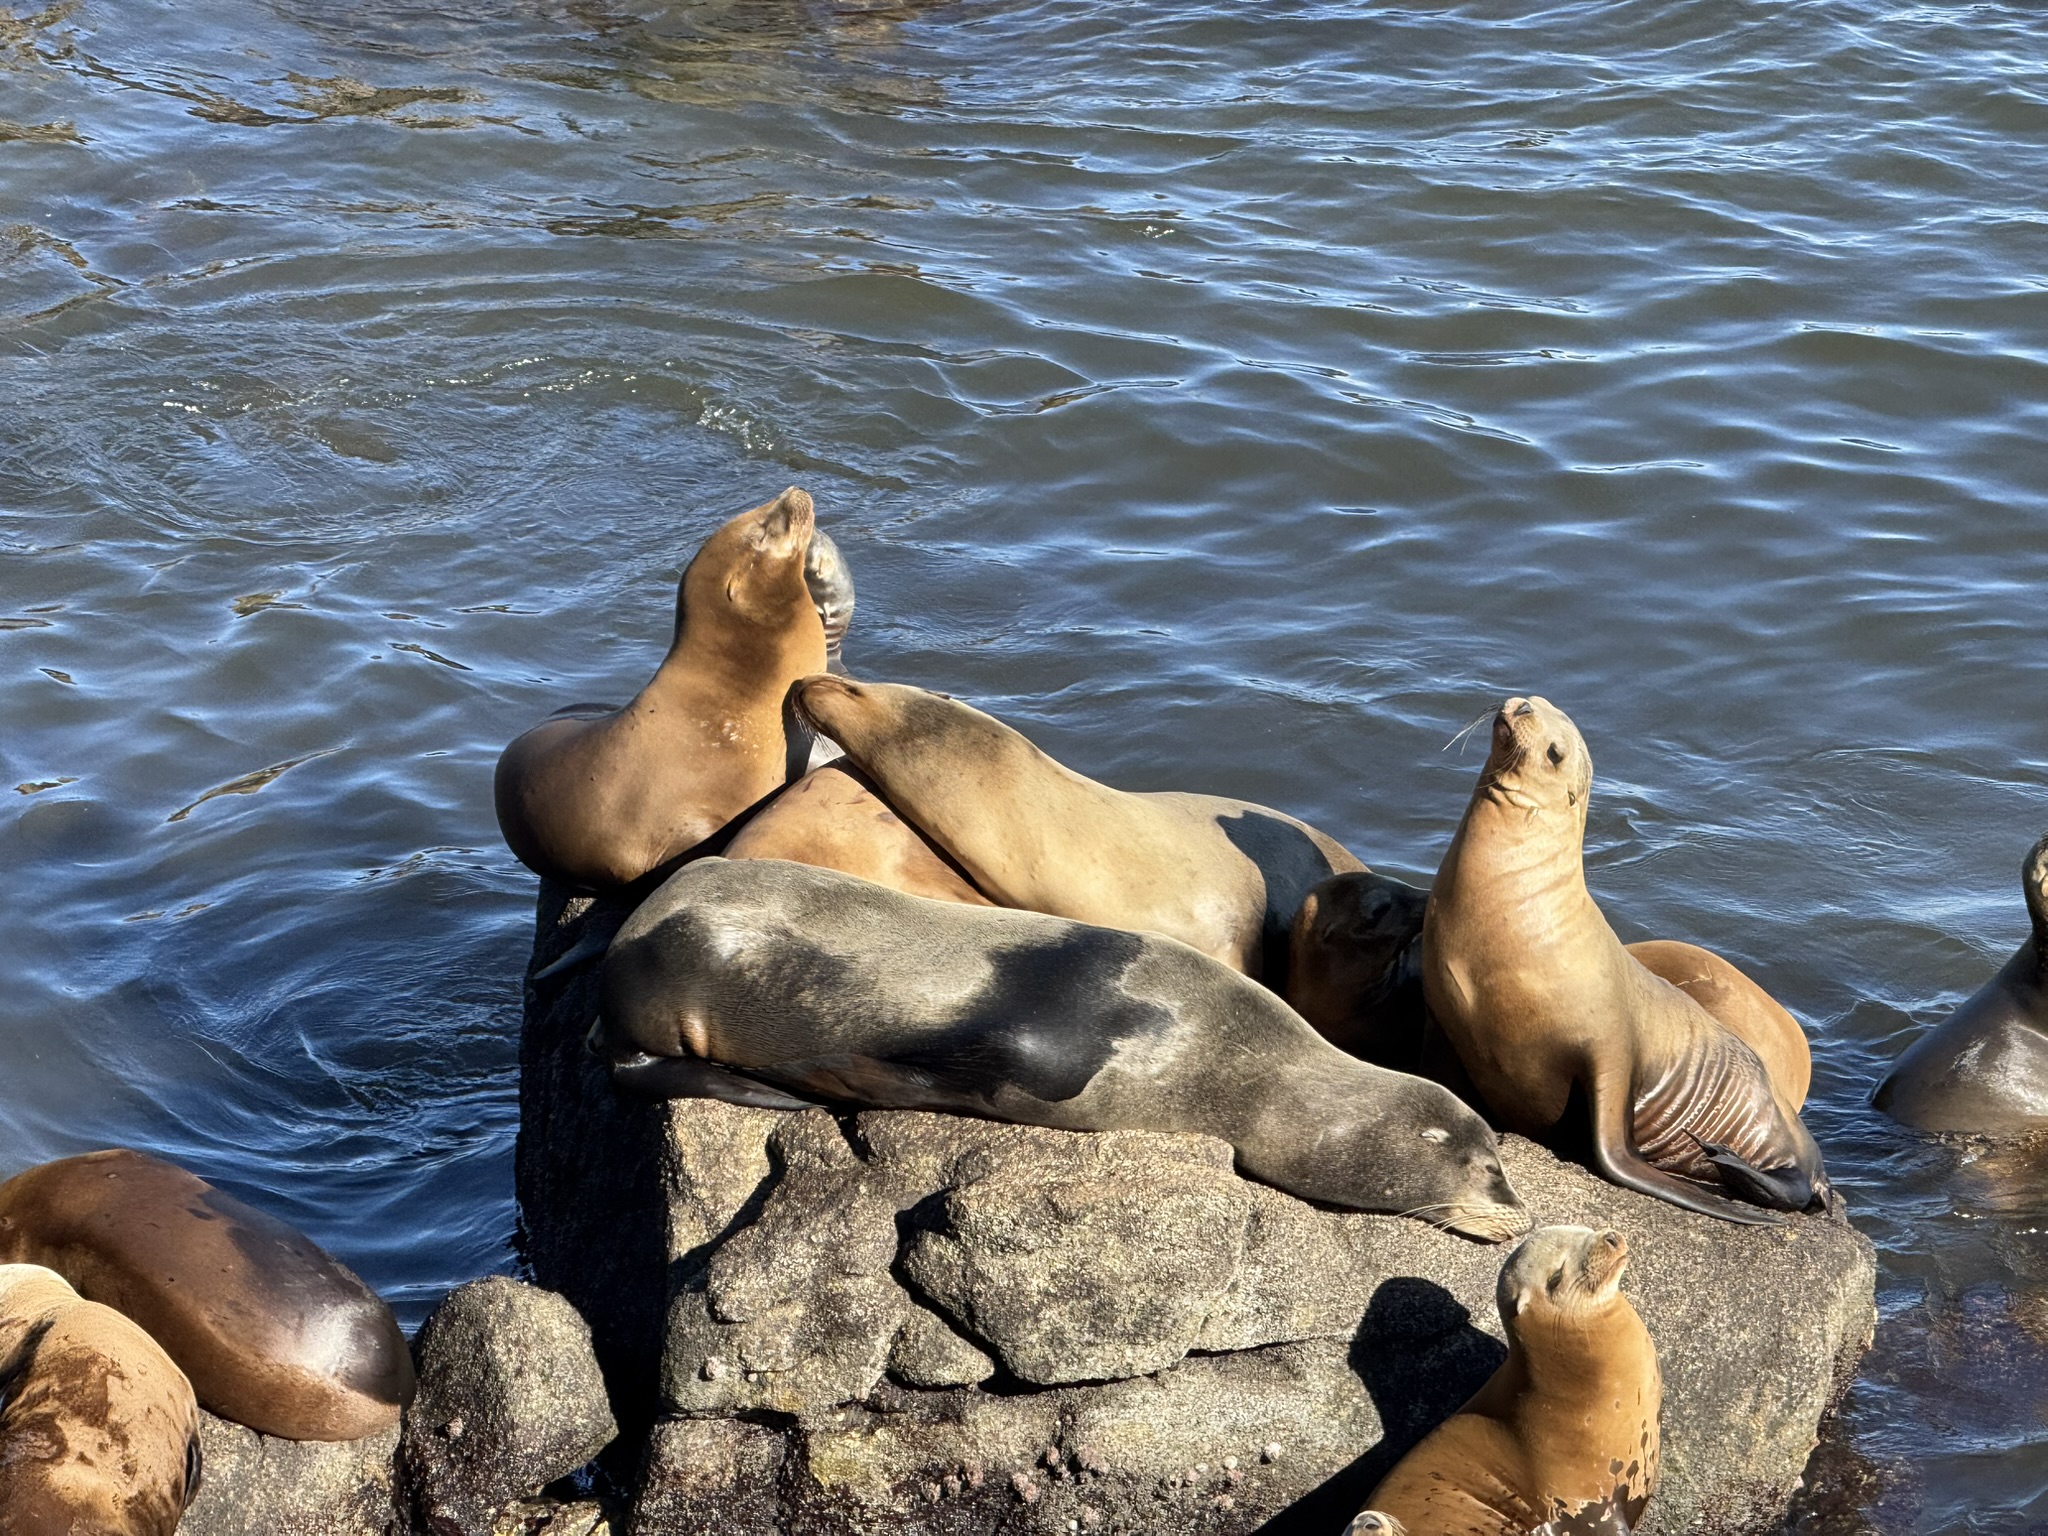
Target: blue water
[[1236, 399]]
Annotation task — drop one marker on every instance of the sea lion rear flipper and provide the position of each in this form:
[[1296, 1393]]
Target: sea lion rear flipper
[[685, 1077], [1617, 1160]]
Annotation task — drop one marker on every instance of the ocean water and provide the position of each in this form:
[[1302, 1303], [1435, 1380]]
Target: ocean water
[[1238, 399]]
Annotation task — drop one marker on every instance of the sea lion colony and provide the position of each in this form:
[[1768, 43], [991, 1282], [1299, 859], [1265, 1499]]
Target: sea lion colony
[[917, 908]]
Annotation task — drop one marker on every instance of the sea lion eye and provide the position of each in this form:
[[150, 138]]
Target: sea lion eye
[[1556, 753], [1556, 1280], [1436, 1134]]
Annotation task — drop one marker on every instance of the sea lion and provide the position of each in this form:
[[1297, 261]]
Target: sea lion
[[1563, 1436], [273, 1332], [1538, 998], [1355, 973], [1985, 1067], [1222, 875], [771, 983], [597, 796], [830, 582], [832, 819], [98, 1429]]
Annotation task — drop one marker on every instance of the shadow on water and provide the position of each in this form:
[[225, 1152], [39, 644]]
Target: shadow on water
[[1421, 1359]]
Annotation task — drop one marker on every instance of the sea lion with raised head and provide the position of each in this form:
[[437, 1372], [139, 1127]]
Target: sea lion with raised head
[[1545, 1008], [1222, 875], [831, 819], [770, 983], [1355, 973], [599, 796], [1564, 1435], [1984, 1068], [98, 1430], [272, 1332]]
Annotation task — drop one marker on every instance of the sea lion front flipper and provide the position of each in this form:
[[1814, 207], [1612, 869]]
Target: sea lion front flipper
[[1789, 1188], [1616, 1159], [685, 1077]]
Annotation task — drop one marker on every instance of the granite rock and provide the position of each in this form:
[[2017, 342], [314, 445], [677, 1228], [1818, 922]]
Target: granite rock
[[510, 1399], [256, 1485]]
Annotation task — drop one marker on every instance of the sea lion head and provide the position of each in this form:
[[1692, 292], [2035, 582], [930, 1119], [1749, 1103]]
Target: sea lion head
[[831, 586], [1373, 1522], [1539, 762], [1561, 1276], [2034, 880], [1421, 1151], [1352, 946], [752, 569], [873, 720]]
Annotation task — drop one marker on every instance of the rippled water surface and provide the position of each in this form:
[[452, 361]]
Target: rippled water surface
[[1236, 398]]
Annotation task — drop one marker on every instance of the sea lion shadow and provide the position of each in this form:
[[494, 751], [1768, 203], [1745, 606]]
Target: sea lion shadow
[[1420, 1359]]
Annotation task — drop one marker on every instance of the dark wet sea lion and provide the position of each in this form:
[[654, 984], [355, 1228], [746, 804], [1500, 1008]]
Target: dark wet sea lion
[[830, 582], [596, 796], [1564, 1435], [1355, 973], [773, 983], [1222, 875], [273, 1332], [99, 1434], [1543, 1005], [1984, 1068], [831, 819]]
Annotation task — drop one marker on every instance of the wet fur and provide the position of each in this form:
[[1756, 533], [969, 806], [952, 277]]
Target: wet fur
[[832, 989], [272, 1332]]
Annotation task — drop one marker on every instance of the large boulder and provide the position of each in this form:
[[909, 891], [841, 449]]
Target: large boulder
[[918, 1322], [510, 1399]]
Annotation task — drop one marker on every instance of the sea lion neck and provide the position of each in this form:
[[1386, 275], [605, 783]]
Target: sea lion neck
[[2034, 881], [1512, 847]]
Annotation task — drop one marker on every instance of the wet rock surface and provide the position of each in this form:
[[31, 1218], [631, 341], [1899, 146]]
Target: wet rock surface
[[913, 1322]]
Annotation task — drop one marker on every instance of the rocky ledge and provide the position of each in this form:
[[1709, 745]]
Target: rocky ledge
[[896, 1322]]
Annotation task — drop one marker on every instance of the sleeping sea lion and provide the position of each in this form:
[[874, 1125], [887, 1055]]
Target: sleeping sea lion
[[98, 1430], [1542, 1004], [598, 796], [1222, 875], [1355, 973], [273, 1333], [831, 819], [1563, 1436], [1985, 1067], [770, 983]]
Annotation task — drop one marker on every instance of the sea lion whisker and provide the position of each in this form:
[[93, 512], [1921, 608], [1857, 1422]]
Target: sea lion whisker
[[1467, 731]]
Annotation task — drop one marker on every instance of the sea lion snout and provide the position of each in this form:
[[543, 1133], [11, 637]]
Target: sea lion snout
[[787, 519], [1606, 1257]]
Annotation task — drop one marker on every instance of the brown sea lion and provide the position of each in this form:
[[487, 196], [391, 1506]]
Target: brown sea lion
[[597, 796], [832, 819], [1355, 973], [273, 1333], [1984, 1068], [99, 1435], [775, 984], [1564, 1435], [1222, 875], [1542, 1004]]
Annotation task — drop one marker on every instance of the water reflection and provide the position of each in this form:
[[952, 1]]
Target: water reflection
[[1235, 401]]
